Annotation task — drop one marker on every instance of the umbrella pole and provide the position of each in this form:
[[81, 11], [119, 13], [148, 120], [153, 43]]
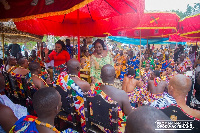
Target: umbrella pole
[[78, 24], [3, 46], [79, 50], [140, 57]]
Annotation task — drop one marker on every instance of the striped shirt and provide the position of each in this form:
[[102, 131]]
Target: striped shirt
[[167, 100]]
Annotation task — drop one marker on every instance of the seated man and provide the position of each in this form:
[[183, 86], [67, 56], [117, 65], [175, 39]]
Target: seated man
[[155, 88], [22, 69], [129, 82], [155, 84], [179, 86], [11, 63], [36, 81], [71, 80], [143, 120], [9, 112], [47, 103], [110, 92], [168, 74]]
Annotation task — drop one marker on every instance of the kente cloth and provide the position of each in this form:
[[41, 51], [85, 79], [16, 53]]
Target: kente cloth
[[168, 77], [21, 90], [150, 98], [123, 72], [150, 61], [133, 62], [120, 59], [97, 63], [162, 65], [184, 65], [18, 110], [27, 124], [145, 75], [87, 62], [121, 116], [136, 95], [57, 70], [167, 100], [66, 83], [37, 59], [117, 70]]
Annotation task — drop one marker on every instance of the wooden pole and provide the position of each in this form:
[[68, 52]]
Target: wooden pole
[[79, 50], [78, 24], [140, 56], [3, 47]]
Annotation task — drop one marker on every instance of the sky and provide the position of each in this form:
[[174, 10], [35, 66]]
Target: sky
[[167, 5]]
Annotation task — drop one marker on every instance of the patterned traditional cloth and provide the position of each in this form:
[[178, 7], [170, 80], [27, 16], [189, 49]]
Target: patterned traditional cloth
[[184, 65], [133, 62], [57, 70], [150, 61], [18, 110], [145, 75], [27, 124], [21, 90], [66, 83], [121, 116], [97, 64], [37, 59], [168, 77], [87, 62], [167, 100], [123, 72]]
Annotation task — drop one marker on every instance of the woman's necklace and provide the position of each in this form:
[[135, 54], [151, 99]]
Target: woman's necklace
[[21, 67], [47, 125], [100, 55], [41, 79], [107, 84]]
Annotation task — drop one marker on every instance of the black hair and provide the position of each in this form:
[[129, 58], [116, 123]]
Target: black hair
[[171, 67], [34, 66], [101, 42], [67, 42], [131, 71], [45, 100], [156, 73], [62, 44], [21, 61]]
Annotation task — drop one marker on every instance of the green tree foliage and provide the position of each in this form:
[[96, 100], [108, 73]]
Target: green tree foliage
[[190, 9]]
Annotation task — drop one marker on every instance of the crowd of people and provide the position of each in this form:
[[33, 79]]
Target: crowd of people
[[144, 82]]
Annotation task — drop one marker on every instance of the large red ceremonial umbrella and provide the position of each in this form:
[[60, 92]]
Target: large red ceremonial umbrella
[[190, 26], [28, 9], [96, 18], [154, 25], [178, 38]]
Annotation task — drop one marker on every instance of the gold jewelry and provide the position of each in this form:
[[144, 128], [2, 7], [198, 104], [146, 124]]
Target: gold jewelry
[[108, 84], [47, 125], [21, 67], [41, 79], [75, 76]]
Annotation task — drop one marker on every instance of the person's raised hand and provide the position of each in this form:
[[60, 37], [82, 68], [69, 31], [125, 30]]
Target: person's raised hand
[[46, 51]]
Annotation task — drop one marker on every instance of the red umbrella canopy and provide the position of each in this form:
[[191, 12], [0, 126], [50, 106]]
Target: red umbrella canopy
[[27, 9], [154, 25], [190, 26], [178, 38], [96, 18]]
